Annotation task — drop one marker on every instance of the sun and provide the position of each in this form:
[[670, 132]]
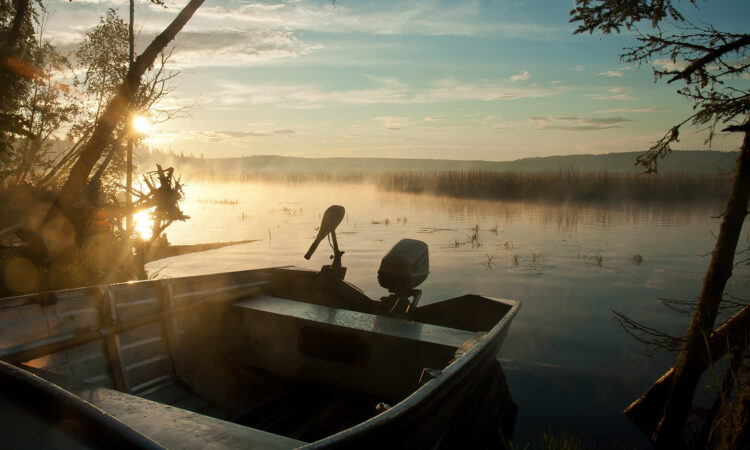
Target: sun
[[141, 124], [142, 223]]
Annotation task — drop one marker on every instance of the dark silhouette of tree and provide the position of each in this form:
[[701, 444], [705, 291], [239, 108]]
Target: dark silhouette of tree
[[708, 64], [16, 41], [73, 190]]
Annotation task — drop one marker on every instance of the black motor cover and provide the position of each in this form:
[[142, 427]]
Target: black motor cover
[[405, 266]]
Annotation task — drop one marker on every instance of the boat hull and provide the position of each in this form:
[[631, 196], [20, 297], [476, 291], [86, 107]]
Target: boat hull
[[137, 342]]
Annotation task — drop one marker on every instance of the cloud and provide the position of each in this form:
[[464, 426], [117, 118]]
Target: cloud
[[394, 123], [218, 136], [610, 97], [434, 118], [392, 82], [524, 75], [231, 48], [579, 68], [452, 90], [574, 123], [244, 134], [635, 110], [617, 73], [418, 18], [619, 89], [387, 91], [669, 65]]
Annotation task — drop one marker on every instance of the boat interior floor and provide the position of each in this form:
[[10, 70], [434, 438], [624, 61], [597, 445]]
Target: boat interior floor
[[303, 410], [310, 411]]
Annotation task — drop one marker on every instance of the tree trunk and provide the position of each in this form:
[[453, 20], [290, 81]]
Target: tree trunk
[[720, 406], [22, 9], [73, 188], [739, 434], [129, 158], [646, 411], [692, 360]]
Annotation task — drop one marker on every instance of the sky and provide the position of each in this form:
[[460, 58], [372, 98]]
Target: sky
[[490, 80]]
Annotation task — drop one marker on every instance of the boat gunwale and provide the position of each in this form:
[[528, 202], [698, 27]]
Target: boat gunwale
[[12, 302]]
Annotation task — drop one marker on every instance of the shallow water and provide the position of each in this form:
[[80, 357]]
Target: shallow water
[[570, 366]]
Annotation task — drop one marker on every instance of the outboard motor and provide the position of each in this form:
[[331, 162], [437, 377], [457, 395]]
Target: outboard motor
[[402, 269]]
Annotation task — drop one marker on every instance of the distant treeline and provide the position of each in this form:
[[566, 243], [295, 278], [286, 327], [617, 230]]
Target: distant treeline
[[531, 186], [678, 162]]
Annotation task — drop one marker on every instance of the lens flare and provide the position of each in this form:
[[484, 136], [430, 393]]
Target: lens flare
[[141, 124]]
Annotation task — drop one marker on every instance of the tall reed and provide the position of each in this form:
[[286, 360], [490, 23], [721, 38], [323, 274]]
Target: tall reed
[[560, 186]]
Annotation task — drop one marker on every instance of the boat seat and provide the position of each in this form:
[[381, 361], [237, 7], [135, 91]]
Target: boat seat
[[355, 320], [355, 350]]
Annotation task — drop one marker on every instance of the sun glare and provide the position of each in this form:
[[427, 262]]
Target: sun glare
[[141, 124], [142, 224]]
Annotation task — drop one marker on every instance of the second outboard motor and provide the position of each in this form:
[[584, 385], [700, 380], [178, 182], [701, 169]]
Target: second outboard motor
[[402, 269]]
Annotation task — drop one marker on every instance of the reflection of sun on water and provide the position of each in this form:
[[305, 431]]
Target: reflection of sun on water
[[142, 224]]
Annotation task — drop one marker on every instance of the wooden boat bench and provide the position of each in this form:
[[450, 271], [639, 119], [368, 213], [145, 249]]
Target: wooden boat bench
[[357, 350]]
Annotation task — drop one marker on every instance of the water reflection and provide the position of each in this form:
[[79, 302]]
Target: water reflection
[[568, 363]]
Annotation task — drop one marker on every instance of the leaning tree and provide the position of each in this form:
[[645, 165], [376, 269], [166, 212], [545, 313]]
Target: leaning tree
[[711, 68]]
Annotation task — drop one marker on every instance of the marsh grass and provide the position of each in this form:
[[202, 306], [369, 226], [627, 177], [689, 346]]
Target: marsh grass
[[561, 185], [220, 201]]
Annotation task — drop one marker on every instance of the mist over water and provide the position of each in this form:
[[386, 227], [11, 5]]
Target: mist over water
[[568, 362]]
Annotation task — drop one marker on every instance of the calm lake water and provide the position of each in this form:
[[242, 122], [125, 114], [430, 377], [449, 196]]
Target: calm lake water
[[569, 365]]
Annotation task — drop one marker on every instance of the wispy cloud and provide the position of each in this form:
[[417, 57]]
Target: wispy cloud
[[386, 90], [231, 48], [524, 75], [214, 136], [422, 17], [434, 118], [614, 93], [634, 110], [616, 73], [575, 123], [668, 64], [395, 123]]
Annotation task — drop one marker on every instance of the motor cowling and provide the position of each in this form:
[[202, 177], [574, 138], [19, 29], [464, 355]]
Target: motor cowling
[[404, 267]]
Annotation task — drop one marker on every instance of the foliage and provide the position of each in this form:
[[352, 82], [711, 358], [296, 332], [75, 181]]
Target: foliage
[[16, 40], [708, 62], [49, 105]]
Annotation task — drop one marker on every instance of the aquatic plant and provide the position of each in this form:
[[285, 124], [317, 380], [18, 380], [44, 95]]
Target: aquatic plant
[[488, 263]]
